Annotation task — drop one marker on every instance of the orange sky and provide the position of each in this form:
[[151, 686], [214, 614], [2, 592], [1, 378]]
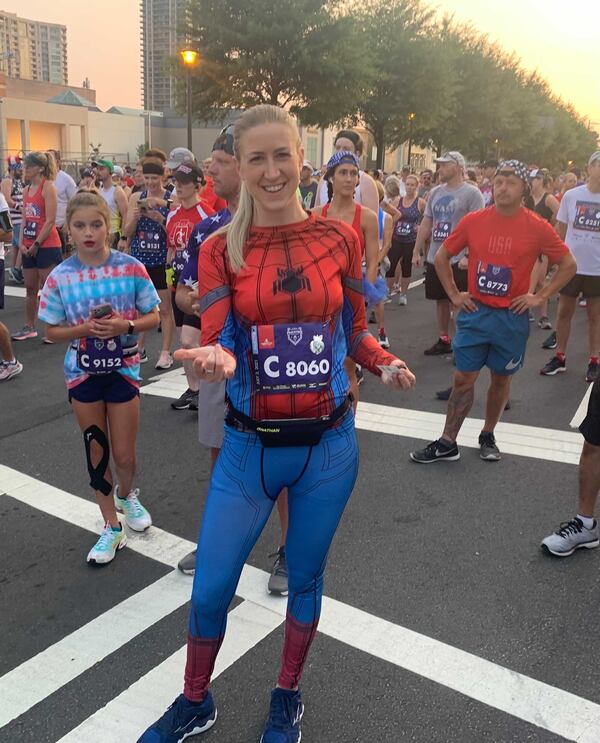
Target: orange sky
[[558, 37]]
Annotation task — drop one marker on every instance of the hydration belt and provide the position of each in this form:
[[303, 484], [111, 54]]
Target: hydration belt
[[288, 431], [127, 352]]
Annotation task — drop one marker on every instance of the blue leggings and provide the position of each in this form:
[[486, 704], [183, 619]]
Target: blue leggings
[[245, 483]]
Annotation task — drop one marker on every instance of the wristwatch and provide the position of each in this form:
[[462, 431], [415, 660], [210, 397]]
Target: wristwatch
[[131, 329]]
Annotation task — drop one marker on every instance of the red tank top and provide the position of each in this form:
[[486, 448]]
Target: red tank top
[[355, 225], [34, 217]]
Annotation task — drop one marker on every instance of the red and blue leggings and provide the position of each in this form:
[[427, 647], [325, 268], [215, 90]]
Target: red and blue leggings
[[246, 481]]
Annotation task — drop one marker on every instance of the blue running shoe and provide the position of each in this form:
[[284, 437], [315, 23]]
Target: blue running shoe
[[182, 720], [283, 725]]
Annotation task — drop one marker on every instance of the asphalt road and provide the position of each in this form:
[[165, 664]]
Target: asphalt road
[[450, 552]]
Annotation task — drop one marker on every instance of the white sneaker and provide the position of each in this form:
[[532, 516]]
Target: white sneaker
[[165, 360], [136, 516], [570, 536], [107, 545], [402, 299], [9, 369]]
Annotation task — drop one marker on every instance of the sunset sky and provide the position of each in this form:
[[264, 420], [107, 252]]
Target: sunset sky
[[558, 38]]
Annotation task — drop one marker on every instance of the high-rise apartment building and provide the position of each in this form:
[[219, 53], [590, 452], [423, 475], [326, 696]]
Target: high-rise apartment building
[[162, 22], [33, 50]]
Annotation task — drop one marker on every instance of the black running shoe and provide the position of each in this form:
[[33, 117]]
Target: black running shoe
[[592, 371], [437, 451], [550, 342], [439, 348], [554, 366], [488, 450], [444, 394], [185, 401]]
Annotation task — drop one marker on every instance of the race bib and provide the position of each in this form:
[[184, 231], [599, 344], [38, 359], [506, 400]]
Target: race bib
[[151, 242], [292, 358], [493, 280], [441, 231], [404, 229], [587, 216], [30, 230], [98, 356]]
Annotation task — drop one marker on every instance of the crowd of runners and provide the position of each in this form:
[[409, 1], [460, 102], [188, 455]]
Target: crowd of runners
[[263, 274]]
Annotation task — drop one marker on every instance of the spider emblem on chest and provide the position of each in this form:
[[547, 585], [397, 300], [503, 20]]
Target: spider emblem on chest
[[291, 281]]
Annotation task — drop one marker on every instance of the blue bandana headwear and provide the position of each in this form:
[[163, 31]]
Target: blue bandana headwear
[[343, 156], [519, 169]]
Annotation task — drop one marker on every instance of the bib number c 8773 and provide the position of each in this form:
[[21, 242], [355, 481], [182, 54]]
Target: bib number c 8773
[[292, 358], [492, 280]]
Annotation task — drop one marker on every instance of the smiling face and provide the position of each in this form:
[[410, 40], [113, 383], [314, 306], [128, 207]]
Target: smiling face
[[89, 231], [345, 179], [270, 158], [153, 183]]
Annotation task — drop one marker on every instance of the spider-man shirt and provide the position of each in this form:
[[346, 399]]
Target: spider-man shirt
[[289, 317]]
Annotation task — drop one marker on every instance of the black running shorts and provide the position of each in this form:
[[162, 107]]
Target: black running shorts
[[590, 427]]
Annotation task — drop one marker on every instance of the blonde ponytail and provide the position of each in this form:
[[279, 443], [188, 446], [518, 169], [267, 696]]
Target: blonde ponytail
[[237, 230]]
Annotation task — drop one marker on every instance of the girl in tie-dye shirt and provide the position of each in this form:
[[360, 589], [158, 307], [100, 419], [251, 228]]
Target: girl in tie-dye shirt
[[97, 301]]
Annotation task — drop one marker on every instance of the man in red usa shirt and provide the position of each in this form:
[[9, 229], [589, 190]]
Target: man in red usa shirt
[[504, 241]]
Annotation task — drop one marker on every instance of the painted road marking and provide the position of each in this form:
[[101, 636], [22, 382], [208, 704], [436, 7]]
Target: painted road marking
[[549, 444], [45, 673], [538, 703], [15, 291], [582, 409], [127, 716]]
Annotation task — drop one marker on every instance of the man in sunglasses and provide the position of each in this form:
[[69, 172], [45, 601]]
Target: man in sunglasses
[[504, 243]]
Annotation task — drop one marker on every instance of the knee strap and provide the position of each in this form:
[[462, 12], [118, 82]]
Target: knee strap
[[97, 480]]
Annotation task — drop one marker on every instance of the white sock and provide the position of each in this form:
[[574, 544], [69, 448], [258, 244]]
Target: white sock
[[587, 521]]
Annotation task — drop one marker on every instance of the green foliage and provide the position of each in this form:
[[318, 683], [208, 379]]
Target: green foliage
[[374, 63]]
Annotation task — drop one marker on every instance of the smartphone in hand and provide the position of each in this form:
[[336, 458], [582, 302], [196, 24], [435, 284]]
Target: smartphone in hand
[[102, 310]]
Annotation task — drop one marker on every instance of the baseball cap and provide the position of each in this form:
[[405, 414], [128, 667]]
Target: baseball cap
[[594, 157], [104, 164], [179, 155], [225, 140], [519, 169], [452, 156], [86, 172], [307, 164], [118, 170], [188, 173]]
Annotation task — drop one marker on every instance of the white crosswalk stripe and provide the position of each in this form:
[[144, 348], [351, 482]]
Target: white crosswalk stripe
[[528, 699]]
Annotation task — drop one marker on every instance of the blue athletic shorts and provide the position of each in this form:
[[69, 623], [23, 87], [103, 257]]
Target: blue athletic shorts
[[111, 387], [44, 258], [16, 234], [490, 337]]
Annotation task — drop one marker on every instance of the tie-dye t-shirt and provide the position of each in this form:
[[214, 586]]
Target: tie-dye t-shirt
[[72, 289]]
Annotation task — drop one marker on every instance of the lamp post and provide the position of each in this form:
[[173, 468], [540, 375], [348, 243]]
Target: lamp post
[[189, 57], [497, 143], [411, 118]]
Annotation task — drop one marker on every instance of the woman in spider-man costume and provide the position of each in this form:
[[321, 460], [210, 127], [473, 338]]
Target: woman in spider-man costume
[[282, 306]]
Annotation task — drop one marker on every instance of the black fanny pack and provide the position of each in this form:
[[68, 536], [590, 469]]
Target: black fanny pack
[[286, 432]]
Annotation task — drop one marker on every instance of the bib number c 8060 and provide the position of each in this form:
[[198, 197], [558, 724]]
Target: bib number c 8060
[[292, 358]]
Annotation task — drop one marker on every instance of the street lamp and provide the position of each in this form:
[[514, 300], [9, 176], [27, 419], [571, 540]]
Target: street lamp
[[189, 57], [497, 143], [411, 118]]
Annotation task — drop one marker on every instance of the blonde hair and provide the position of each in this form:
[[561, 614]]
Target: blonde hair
[[237, 230], [380, 190], [392, 187], [88, 197], [45, 161]]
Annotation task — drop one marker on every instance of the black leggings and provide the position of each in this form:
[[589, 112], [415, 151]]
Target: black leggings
[[400, 252]]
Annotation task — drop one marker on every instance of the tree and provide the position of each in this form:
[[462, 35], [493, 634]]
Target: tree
[[292, 53]]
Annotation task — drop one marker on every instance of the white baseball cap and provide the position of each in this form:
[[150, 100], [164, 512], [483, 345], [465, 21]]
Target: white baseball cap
[[593, 157], [453, 156], [178, 156]]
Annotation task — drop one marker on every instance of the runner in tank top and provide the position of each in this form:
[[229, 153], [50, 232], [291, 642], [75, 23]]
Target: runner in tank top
[[342, 178], [12, 188], [116, 200], [39, 241], [145, 228], [411, 209], [546, 205]]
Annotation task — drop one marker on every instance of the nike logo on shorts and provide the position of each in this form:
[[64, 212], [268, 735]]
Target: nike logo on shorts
[[513, 364]]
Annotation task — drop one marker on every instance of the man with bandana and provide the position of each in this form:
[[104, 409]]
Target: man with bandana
[[504, 243]]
